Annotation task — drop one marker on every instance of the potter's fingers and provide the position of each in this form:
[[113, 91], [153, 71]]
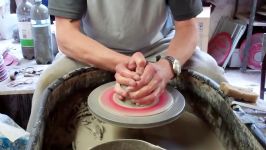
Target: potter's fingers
[[120, 91], [154, 96], [125, 81], [125, 72], [147, 89], [147, 75], [138, 61]]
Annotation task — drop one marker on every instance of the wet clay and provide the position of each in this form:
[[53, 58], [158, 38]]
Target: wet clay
[[187, 132]]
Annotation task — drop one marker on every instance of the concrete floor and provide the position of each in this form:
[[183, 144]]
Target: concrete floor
[[249, 79]]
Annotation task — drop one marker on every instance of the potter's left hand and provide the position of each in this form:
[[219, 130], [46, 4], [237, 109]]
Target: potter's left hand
[[128, 73], [152, 83]]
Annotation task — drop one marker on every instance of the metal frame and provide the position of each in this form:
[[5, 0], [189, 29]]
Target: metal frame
[[249, 34]]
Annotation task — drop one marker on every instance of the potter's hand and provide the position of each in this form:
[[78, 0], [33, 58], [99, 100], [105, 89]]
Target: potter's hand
[[128, 73], [152, 83]]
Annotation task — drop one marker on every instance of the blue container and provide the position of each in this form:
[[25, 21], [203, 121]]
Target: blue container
[[19, 144], [45, 2]]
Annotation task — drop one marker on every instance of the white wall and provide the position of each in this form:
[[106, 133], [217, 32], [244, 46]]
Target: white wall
[[222, 8]]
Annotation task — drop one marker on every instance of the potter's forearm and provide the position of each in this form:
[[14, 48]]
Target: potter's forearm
[[184, 42], [76, 45]]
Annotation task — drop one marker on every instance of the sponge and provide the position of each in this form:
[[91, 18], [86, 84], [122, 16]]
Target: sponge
[[240, 93]]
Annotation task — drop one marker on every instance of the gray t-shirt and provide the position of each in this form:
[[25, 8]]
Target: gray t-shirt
[[126, 25]]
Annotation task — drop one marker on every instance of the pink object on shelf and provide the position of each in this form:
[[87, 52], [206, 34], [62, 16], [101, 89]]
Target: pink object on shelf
[[255, 55], [219, 47], [3, 72], [10, 60]]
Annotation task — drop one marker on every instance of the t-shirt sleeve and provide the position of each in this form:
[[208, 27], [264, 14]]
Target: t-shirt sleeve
[[72, 9], [185, 9]]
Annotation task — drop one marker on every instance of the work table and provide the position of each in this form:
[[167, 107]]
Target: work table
[[15, 101], [5, 86]]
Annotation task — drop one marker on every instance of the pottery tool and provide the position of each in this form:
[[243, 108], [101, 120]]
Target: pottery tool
[[13, 75], [105, 105], [27, 72]]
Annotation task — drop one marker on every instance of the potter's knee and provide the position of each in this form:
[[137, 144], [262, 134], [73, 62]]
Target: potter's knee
[[206, 65], [45, 80]]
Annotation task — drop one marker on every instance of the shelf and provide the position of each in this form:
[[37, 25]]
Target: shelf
[[245, 17]]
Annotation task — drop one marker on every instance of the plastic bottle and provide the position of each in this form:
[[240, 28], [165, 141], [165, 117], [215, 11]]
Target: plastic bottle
[[41, 31], [25, 32]]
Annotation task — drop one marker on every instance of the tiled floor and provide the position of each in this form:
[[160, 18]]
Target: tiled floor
[[249, 79]]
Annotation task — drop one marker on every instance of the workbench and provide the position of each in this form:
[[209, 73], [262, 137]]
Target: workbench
[[15, 98]]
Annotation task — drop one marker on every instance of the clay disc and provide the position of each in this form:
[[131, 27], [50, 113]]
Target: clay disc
[[103, 104], [108, 101]]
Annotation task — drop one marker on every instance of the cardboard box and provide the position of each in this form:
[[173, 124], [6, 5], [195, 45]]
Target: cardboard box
[[203, 20], [203, 43]]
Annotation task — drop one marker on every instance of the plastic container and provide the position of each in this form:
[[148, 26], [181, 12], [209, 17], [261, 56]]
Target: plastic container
[[41, 31], [25, 32]]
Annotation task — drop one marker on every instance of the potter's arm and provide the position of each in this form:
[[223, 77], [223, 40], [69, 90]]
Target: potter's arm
[[76, 45]]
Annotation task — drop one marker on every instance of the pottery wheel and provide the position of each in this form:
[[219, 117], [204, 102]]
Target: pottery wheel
[[104, 104]]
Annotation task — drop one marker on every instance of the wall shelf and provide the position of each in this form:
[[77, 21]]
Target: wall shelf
[[245, 17]]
